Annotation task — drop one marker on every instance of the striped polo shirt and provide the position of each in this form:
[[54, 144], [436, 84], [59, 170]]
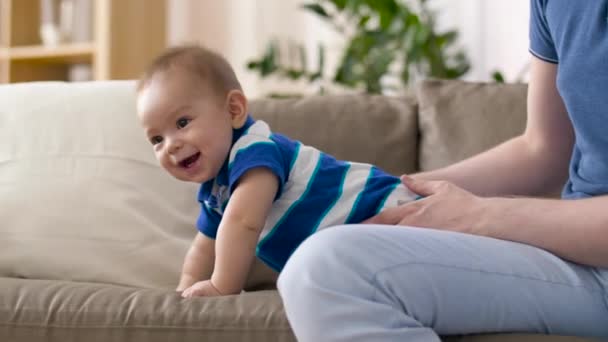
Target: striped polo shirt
[[316, 191]]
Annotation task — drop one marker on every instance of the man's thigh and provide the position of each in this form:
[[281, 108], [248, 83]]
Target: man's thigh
[[458, 283]]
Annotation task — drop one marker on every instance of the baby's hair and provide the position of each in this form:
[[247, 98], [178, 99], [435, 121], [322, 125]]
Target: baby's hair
[[204, 64]]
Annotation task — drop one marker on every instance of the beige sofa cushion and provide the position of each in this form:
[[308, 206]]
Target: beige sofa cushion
[[82, 195], [49, 311], [364, 128], [59, 311], [459, 119]]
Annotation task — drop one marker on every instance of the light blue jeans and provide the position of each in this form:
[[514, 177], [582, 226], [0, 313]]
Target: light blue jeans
[[388, 283]]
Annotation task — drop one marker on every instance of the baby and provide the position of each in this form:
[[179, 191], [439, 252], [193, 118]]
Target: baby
[[261, 193]]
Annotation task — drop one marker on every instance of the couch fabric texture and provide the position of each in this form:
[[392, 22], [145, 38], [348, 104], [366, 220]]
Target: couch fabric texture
[[94, 233]]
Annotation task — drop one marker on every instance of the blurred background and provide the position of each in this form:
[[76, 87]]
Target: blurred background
[[277, 47]]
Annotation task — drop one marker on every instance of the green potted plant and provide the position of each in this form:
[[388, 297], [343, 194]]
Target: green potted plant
[[384, 38]]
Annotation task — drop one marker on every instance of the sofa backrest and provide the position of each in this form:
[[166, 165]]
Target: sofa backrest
[[82, 197], [437, 124], [364, 128], [460, 119]]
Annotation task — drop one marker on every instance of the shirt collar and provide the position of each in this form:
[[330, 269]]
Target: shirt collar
[[222, 177]]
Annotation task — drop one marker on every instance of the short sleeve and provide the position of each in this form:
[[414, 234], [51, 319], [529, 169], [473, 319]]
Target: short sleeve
[[253, 151], [541, 42], [208, 220]]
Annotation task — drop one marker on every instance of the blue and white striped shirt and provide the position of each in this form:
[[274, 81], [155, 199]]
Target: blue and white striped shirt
[[316, 191]]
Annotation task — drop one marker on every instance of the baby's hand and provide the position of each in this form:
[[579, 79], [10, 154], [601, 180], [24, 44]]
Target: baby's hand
[[201, 289]]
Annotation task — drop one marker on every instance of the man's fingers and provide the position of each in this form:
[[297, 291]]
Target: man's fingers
[[423, 188]]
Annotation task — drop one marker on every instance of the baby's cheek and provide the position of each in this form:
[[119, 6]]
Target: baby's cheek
[[164, 162]]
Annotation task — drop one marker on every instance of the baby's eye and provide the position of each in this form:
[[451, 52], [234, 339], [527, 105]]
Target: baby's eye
[[182, 122], [156, 139]]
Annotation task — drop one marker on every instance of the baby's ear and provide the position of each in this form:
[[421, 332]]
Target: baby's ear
[[237, 106]]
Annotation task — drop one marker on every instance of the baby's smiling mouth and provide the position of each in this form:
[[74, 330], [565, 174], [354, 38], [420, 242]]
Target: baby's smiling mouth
[[190, 160]]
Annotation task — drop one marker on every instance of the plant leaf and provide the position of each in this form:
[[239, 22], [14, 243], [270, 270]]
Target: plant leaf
[[317, 9], [498, 77]]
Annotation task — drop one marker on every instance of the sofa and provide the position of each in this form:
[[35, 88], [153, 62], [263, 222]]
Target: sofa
[[94, 233]]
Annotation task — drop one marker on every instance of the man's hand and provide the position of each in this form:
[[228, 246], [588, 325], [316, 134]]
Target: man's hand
[[444, 206], [201, 289]]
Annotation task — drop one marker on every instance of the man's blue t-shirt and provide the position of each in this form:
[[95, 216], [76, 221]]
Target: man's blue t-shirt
[[574, 35]]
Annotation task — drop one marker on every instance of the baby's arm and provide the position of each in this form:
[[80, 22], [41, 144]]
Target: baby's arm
[[238, 233], [198, 263]]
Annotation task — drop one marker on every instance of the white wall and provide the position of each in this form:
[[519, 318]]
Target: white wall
[[226, 26], [494, 33]]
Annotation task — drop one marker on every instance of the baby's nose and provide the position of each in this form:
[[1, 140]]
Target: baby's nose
[[175, 146]]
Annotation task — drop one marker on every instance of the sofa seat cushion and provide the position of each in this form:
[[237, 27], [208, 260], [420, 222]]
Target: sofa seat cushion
[[42, 310], [516, 338]]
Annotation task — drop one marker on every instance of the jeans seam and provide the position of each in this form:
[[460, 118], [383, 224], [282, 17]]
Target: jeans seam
[[375, 276], [376, 287]]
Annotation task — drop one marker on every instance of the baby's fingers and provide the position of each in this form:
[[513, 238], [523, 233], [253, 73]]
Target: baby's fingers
[[187, 293]]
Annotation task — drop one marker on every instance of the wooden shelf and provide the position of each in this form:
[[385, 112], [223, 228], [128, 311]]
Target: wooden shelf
[[65, 53], [125, 36]]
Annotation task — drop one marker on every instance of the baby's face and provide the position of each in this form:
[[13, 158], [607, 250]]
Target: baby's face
[[189, 129]]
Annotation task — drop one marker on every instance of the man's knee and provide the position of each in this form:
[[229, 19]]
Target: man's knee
[[317, 256]]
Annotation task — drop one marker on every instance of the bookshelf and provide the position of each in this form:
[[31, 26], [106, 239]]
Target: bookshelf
[[126, 35]]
